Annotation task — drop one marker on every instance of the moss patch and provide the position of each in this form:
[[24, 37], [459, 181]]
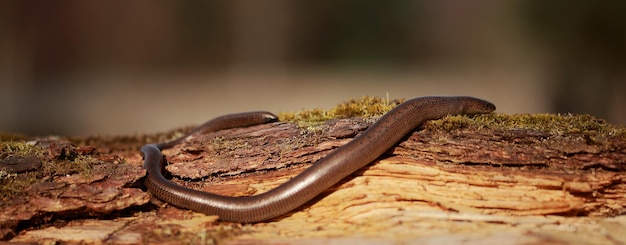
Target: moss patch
[[551, 123], [593, 129], [20, 149], [66, 161], [363, 107], [13, 183]]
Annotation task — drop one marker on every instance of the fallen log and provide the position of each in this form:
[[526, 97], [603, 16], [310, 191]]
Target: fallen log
[[497, 177]]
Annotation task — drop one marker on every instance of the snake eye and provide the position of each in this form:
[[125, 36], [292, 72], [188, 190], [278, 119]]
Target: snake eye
[[488, 106], [269, 117]]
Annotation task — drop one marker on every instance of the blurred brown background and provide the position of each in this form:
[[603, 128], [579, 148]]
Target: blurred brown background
[[124, 67]]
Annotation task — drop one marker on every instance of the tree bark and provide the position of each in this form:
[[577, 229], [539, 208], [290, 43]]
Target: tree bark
[[468, 182]]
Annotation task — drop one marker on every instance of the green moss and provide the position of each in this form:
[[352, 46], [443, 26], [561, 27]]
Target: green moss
[[13, 184], [20, 149], [228, 148], [80, 164], [364, 107], [592, 128]]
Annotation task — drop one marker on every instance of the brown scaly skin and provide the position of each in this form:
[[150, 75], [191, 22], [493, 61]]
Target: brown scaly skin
[[326, 172]]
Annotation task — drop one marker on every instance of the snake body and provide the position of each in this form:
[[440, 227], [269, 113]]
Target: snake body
[[326, 172]]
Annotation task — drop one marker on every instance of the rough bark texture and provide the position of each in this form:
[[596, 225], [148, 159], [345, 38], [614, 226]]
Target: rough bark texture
[[467, 184]]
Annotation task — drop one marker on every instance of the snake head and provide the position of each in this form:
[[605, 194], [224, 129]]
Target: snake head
[[473, 106]]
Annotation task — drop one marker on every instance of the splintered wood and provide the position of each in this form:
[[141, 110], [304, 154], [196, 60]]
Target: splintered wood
[[467, 184], [462, 170]]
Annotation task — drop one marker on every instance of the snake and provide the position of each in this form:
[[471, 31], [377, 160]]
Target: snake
[[365, 148]]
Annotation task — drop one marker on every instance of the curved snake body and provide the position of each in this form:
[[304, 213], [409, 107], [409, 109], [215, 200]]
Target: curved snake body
[[326, 172]]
